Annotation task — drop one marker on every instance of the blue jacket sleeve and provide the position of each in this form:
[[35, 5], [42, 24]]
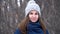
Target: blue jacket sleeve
[[47, 32], [17, 31]]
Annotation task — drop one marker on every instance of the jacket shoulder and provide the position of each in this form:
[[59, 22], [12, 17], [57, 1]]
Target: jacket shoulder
[[17, 31]]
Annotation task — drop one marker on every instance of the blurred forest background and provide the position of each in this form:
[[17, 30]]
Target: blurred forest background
[[12, 12]]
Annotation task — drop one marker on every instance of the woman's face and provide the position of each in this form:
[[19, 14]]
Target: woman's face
[[33, 15]]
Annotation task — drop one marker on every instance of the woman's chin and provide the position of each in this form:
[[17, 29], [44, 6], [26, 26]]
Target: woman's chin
[[33, 21]]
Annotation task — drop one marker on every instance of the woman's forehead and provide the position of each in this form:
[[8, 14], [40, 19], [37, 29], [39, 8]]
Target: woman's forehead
[[33, 11]]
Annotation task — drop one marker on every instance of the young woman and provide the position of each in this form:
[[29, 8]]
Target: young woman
[[32, 23]]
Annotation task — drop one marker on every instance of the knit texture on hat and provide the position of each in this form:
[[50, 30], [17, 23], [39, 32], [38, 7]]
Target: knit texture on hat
[[32, 5]]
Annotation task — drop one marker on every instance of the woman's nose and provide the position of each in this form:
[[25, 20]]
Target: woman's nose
[[33, 15]]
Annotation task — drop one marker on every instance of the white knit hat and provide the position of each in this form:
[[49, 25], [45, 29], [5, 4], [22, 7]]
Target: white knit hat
[[32, 5]]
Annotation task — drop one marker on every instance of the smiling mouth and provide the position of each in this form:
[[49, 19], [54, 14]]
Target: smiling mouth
[[33, 18]]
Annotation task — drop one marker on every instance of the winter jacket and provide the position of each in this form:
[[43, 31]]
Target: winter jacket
[[32, 28]]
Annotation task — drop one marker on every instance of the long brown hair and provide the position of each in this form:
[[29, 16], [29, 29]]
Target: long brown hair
[[22, 26]]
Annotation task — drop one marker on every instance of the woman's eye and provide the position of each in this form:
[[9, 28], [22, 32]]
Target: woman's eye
[[31, 13], [36, 13]]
